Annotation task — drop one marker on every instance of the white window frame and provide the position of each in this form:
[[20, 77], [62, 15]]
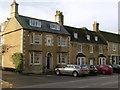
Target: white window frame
[[88, 37], [34, 23], [76, 35], [65, 58], [91, 48], [80, 48], [62, 41], [91, 62], [79, 59], [47, 41], [40, 58], [33, 38], [96, 38], [54, 26]]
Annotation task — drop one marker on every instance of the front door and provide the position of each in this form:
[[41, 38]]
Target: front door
[[91, 61], [48, 61]]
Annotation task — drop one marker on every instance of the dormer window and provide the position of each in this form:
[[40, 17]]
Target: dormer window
[[88, 37], [75, 35], [34, 23], [54, 26], [96, 38]]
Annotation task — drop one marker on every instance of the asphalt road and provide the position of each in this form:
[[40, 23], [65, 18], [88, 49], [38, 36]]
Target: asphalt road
[[53, 81]]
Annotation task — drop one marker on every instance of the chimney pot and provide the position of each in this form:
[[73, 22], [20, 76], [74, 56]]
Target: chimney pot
[[59, 17]]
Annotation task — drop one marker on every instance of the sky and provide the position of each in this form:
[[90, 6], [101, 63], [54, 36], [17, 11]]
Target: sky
[[77, 13]]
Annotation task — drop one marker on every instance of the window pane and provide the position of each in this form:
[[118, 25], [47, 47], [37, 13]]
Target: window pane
[[31, 58], [49, 41], [54, 26], [37, 38], [34, 23], [37, 57], [80, 48], [64, 58], [91, 49]]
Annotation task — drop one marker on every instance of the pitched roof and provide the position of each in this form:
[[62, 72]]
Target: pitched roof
[[111, 37], [82, 35], [45, 25]]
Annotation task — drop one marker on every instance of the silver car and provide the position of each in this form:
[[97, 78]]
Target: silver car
[[75, 70]]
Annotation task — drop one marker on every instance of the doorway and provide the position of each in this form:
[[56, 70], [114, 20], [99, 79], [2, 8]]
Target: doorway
[[48, 61]]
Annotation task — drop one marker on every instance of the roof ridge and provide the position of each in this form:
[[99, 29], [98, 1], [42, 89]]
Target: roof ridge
[[109, 32], [37, 19]]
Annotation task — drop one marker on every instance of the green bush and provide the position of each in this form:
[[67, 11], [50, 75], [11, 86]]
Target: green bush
[[18, 61]]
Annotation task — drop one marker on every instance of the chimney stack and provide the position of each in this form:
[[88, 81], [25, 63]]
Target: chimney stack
[[95, 26], [59, 18], [14, 9]]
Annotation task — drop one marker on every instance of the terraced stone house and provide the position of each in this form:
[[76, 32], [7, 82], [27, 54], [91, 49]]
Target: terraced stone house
[[43, 43], [87, 46], [113, 41]]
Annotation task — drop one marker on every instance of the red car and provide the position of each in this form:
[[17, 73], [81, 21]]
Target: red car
[[105, 69]]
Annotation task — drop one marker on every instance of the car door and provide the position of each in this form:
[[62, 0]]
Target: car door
[[67, 70], [70, 70]]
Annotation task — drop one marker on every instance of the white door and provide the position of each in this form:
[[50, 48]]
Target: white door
[[91, 61]]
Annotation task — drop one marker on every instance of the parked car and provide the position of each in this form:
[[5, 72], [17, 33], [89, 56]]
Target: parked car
[[75, 70], [92, 70], [4, 84], [85, 69], [104, 69], [116, 68]]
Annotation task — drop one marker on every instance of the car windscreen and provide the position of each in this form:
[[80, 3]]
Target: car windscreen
[[84, 67]]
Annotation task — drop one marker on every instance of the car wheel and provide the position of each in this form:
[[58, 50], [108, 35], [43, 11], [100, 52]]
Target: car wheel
[[104, 72], [75, 74], [57, 72]]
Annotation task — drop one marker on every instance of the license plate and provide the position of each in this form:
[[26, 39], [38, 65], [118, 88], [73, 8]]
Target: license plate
[[86, 72]]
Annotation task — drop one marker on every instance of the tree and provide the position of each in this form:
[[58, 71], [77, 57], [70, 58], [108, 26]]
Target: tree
[[18, 61]]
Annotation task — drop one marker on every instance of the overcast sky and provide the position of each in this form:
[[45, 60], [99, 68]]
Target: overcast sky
[[77, 13]]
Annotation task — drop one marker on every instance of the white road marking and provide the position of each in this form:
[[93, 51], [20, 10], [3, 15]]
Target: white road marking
[[109, 83], [83, 87]]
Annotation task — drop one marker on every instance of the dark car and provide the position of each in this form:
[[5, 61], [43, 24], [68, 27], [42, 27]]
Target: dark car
[[104, 69], [116, 68], [75, 70], [92, 70]]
